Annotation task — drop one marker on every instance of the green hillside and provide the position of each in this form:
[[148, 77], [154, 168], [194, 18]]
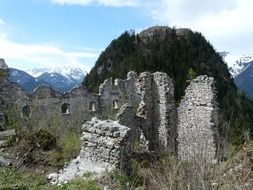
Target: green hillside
[[181, 53]]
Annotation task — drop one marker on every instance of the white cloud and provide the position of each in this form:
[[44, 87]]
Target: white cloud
[[227, 23], [2, 22], [41, 55], [111, 3]]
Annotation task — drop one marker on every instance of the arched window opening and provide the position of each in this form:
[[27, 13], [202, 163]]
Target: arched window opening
[[26, 111], [65, 108], [115, 104], [92, 106]]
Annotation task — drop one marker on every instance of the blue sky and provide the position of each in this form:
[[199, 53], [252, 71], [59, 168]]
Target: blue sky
[[46, 33]]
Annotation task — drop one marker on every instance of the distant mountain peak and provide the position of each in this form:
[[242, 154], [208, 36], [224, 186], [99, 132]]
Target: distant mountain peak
[[66, 71], [61, 79], [237, 63], [161, 32]]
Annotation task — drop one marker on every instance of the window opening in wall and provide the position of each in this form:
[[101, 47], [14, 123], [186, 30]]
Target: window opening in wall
[[26, 111], [65, 108], [92, 106], [115, 104]]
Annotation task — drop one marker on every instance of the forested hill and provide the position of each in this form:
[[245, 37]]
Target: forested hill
[[182, 54]]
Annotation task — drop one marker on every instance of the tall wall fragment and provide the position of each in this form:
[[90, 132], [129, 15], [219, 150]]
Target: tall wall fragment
[[165, 113], [198, 120]]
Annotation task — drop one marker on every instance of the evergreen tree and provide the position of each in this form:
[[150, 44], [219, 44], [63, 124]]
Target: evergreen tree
[[182, 57]]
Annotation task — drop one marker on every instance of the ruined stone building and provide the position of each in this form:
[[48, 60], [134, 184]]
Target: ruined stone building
[[143, 109]]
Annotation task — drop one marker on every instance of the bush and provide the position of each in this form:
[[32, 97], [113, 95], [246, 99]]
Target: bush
[[43, 139]]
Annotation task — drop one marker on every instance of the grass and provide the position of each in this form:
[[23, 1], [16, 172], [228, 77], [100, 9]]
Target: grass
[[69, 145], [52, 147], [12, 179], [168, 173]]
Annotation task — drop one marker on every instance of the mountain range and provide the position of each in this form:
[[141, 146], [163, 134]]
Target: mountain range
[[61, 79]]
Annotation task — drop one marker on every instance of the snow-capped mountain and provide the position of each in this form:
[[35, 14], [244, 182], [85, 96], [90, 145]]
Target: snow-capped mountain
[[68, 72], [237, 63], [241, 68], [61, 79], [26, 81]]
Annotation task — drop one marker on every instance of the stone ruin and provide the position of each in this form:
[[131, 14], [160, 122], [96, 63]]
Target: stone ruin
[[151, 95], [198, 121], [145, 112], [189, 131], [105, 146]]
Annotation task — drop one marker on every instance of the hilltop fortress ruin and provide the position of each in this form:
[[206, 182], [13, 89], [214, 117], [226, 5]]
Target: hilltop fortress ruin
[[138, 109]]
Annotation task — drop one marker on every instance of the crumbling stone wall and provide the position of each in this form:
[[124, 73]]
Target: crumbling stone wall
[[198, 120], [105, 146], [151, 94], [148, 108], [127, 116], [114, 94], [165, 113], [145, 109], [47, 105], [158, 109]]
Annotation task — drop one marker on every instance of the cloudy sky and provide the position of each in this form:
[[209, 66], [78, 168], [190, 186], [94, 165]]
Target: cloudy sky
[[46, 33]]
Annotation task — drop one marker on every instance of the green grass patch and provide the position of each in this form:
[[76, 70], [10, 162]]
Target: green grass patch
[[12, 179], [69, 147]]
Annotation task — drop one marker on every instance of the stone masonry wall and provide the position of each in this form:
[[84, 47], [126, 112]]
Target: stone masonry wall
[[114, 94], [145, 109], [105, 146], [164, 111], [198, 120], [150, 111], [47, 107], [151, 94]]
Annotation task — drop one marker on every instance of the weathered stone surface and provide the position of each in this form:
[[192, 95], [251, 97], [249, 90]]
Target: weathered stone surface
[[145, 109], [106, 146], [165, 113], [127, 116], [73, 108], [198, 120], [119, 92], [158, 109]]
